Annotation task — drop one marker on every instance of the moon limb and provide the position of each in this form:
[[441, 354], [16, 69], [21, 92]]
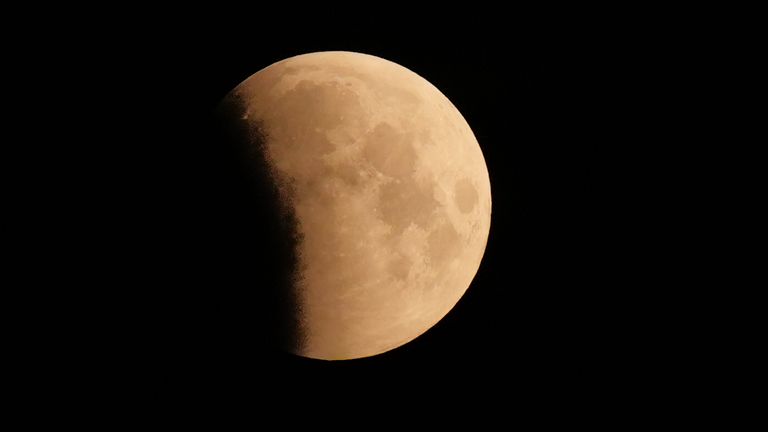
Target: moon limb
[[390, 191]]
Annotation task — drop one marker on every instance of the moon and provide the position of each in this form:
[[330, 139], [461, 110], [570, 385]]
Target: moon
[[386, 191]]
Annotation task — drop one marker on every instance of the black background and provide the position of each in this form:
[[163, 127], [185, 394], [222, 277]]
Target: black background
[[601, 290], [558, 306]]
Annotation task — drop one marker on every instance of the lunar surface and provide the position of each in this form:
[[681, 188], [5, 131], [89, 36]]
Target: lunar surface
[[387, 191]]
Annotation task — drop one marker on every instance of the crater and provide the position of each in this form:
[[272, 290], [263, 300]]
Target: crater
[[465, 195], [390, 151]]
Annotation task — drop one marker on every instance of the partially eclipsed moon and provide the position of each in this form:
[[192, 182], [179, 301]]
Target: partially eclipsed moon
[[389, 193]]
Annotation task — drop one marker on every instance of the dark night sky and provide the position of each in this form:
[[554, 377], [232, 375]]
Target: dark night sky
[[148, 271]]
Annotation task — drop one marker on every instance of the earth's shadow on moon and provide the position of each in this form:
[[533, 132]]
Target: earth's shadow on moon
[[266, 270]]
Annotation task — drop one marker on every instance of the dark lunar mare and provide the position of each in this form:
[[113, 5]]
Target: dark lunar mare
[[266, 231]]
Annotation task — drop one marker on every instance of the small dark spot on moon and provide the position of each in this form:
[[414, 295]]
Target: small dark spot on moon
[[348, 173], [465, 195], [295, 70]]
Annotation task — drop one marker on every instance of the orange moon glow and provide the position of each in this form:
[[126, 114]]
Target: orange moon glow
[[389, 190]]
